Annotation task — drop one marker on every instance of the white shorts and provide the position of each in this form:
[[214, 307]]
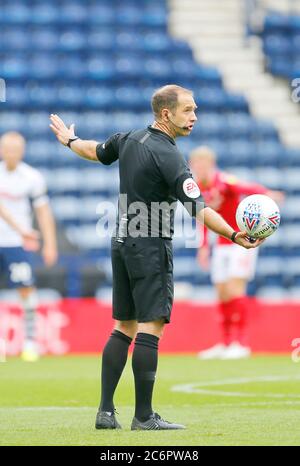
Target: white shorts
[[232, 261]]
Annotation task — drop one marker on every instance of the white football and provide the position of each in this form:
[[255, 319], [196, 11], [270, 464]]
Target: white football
[[259, 215]]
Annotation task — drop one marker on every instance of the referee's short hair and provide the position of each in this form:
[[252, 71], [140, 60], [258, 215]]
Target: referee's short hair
[[167, 97]]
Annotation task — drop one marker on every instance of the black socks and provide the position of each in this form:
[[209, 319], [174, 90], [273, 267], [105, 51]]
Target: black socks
[[113, 362], [144, 365]]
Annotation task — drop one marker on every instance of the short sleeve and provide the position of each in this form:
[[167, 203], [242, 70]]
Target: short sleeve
[[177, 175], [108, 152], [172, 165], [38, 192]]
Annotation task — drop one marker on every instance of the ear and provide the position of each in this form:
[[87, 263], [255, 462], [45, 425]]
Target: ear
[[165, 115]]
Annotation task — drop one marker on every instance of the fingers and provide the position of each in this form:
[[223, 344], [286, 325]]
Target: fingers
[[57, 122], [244, 242], [256, 243], [242, 234], [54, 129], [57, 119]]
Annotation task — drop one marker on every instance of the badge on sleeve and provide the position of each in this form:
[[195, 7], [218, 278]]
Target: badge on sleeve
[[190, 188]]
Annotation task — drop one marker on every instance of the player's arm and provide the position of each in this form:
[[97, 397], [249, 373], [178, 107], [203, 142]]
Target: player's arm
[[246, 189], [204, 248], [47, 227], [84, 148], [26, 235]]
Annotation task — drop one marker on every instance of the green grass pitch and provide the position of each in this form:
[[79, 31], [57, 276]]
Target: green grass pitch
[[247, 402]]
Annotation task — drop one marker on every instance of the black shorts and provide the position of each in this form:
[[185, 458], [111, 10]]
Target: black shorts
[[142, 279]]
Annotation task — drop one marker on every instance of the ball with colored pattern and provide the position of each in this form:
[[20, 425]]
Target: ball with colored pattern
[[258, 215]]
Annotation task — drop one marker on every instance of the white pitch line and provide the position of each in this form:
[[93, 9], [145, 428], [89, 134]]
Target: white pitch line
[[47, 408], [194, 388], [252, 403], [206, 405]]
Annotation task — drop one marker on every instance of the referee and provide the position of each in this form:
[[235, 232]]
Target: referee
[[153, 175]]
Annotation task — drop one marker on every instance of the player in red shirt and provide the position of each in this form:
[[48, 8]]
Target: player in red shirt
[[231, 267]]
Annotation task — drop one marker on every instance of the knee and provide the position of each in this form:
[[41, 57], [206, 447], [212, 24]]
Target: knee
[[128, 327], [154, 328]]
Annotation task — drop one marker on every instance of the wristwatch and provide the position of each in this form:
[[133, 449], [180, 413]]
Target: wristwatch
[[71, 140], [233, 236]]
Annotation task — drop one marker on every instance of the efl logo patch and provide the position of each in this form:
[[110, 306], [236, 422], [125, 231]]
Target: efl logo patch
[[190, 188]]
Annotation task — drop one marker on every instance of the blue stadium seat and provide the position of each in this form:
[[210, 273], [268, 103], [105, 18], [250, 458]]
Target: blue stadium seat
[[291, 209], [157, 68], [37, 124], [268, 153], [275, 21], [128, 98], [277, 44], [101, 15], [15, 13], [15, 39], [44, 14], [296, 44], [281, 44], [40, 67], [280, 66], [99, 97], [70, 97], [129, 16], [156, 42], [65, 209], [210, 125], [43, 39], [72, 40], [73, 13], [103, 40], [290, 157], [16, 97], [241, 152], [294, 23], [101, 68], [13, 68], [291, 180], [72, 67]]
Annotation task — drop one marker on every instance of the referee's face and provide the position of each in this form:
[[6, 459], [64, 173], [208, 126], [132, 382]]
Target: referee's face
[[184, 118]]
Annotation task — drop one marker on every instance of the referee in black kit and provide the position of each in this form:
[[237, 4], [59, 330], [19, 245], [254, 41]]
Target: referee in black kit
[[153, 175]]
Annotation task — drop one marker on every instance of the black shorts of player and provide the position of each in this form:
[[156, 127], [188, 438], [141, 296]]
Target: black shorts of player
[[142, 279]]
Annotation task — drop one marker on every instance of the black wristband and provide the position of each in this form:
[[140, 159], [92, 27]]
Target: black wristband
[[71, 140], [233, 236]]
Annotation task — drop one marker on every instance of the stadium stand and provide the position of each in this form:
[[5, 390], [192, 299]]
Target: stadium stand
[[281, 44], [97, 64]]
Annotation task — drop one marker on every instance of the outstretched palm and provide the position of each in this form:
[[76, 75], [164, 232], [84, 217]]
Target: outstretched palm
[[61, 131]]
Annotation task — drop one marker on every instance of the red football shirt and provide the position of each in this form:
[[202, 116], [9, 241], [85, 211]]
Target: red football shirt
[[224, 195]]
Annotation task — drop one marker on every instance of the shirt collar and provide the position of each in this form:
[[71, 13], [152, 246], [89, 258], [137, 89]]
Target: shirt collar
[[162, 133]]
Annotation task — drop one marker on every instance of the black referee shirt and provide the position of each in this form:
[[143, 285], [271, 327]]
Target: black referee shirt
[[153, 175]]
